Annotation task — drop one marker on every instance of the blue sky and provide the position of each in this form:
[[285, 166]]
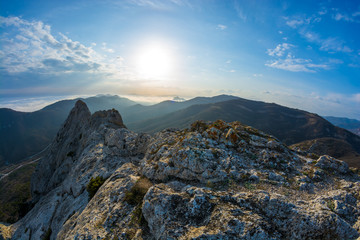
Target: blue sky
[[302, 54]]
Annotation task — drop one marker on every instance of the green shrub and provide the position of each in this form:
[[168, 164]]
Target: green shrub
[[47, 234], [94, 185], [136, 194], [331, 204]]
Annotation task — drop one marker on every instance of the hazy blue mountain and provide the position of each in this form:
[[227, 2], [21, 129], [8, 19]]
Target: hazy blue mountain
[[289, 125], [23, 134], [352, 125], [140, 112]]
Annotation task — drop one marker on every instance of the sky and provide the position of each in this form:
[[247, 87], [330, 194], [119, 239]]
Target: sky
[[300, 54]]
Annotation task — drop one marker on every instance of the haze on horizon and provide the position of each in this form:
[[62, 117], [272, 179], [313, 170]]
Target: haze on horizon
[[299, 54]]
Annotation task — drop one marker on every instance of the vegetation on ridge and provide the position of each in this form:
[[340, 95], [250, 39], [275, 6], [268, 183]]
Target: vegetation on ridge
[[15, 194], [93, 185]]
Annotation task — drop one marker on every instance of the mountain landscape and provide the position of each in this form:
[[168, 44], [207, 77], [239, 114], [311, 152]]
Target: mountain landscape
[[352, 125], [25, 134], [213, 180], [289, 125]]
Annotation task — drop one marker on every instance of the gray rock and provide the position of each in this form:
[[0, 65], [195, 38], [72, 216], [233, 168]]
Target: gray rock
[[209, 182], [331, 164]]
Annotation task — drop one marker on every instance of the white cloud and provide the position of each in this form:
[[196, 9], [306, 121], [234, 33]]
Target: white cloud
[[240, 11], [293, 64], [330, 44], [294, 23], [286, 61], [221, 27], [356, 97], [157, 4], [30, 45], [106, 49], [279, 50], [343, 17], [322, 12]]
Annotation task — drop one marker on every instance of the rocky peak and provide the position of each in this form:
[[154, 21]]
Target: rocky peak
[[79, 128], [215, 180], [110, 118]]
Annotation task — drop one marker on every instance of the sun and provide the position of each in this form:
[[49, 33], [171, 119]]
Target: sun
[[154, 60]]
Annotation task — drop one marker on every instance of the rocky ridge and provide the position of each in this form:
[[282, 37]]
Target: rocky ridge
[[215, 180]]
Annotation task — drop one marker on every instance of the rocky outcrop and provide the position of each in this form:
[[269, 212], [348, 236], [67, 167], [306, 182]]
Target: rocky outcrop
[[215, 180], [86, 146]]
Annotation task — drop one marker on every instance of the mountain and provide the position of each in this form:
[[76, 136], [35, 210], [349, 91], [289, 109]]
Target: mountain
[[337, 148], [352, 125], [289, 125], [139, 112], [215, 180], [23, 134]]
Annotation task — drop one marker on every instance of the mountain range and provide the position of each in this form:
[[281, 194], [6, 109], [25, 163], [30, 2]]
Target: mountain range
[[352, 125], [24, 134], [213, 180]]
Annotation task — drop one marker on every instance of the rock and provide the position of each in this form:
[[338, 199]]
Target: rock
[[275, 177], [309, 187], [331, 164], [216, 180]]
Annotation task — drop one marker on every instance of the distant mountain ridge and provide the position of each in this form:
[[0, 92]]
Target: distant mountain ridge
[[23, 134], [352, 125], [289, 125]]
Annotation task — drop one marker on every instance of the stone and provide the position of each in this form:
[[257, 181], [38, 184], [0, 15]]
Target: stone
[[216, 180]]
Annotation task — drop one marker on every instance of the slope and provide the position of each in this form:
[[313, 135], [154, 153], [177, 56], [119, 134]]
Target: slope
[[289, 125]]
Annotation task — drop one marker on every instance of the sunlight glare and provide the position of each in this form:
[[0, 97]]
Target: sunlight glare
[[154, 61]]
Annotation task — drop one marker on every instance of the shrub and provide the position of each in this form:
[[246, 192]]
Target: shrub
[[136, 194], [94, 185], [47, 234]]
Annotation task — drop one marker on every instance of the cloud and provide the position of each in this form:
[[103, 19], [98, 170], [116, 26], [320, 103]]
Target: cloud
[[239, 11], [279, 50], [330, 44], [286, 61], [106, 49], [356, 97], [158, 4], [30, 45], [35, 61], [294, 23], [343, 17], [293, 64], [221, 27]]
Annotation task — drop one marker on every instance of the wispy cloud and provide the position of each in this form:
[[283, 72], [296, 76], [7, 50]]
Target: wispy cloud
[[106, 49], [286, 61], [53, 62], [293, 64], [279, 50], [297, 21], [330, 44], [221, 27], [29, 45], [159, 4], [240, 13], [344, 17]]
